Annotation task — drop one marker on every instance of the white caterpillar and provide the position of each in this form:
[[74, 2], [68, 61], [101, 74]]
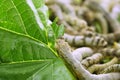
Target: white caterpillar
[[99, 67], [77, 41], [92, 60], [111, 52], [112, 68]]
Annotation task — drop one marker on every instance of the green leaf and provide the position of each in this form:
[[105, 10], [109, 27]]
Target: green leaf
[[60, 72], [26, 38], [54, 31], [35, 70], [51, 37], [24, 58], [17, 47], [25, 15], [58, 30], [10, 26], [25, 70]]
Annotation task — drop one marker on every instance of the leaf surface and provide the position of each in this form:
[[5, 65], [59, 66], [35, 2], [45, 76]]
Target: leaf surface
[[25, 15], [17, 47]]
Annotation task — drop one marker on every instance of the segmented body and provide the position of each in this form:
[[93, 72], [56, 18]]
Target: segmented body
[[112, 68], [92, 60], [99, 67], [111, 52], [85, 41]]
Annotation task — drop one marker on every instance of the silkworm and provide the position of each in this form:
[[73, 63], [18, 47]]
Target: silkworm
[[65, 6], [112, 68], [108, 76], [67, 55], [88, 32], [76, 22], [82, 52], [85, 41], [92, 60], [98, 67], [111, 37], [110, 52]]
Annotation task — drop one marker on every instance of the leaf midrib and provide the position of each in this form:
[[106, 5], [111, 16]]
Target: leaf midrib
[[21, 19]]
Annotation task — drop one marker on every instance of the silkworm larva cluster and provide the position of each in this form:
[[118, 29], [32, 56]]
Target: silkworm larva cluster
[[91, 31], [77, 68]]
